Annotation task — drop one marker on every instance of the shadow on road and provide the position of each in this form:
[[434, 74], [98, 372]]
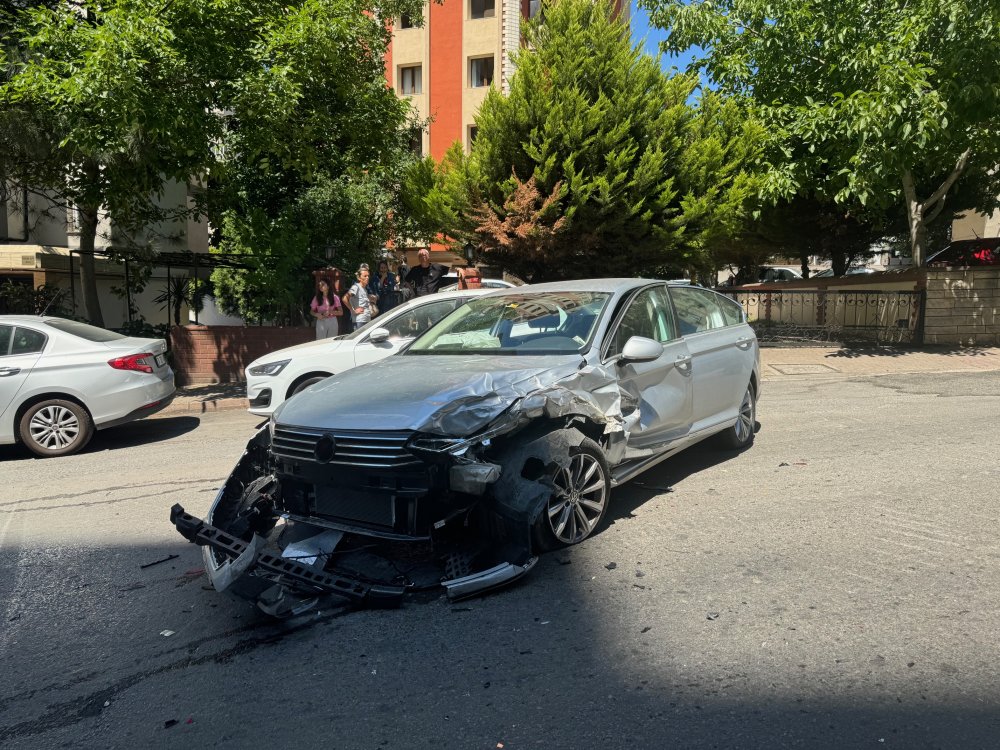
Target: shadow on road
[[131, 435]]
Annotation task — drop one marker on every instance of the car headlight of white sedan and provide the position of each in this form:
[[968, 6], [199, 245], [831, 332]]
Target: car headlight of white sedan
[[271, 368]]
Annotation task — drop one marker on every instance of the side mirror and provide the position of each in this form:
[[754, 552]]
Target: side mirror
[[641, 349], [379, 335]]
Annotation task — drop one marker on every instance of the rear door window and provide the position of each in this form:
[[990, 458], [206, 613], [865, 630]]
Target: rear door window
[[699, 310], [27, 341]]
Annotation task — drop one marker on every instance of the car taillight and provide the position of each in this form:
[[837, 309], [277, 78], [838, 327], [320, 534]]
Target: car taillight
[[134, 362]]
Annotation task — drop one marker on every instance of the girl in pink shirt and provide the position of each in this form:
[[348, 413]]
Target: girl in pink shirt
[[326, 308]]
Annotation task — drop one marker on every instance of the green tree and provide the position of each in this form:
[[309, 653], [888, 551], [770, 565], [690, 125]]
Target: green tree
[[599, 153], [870, 103], [104, 102]]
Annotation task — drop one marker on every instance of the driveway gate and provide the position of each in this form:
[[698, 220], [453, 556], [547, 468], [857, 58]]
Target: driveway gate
[[811, 316]]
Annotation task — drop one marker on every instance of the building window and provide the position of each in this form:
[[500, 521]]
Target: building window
[[473, 131], [482, 8], [534, 6], [405, 22], [417, 144], [480, 72], [410, 80]]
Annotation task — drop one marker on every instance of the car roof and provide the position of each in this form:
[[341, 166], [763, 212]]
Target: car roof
[[581, 285], [15, 319]]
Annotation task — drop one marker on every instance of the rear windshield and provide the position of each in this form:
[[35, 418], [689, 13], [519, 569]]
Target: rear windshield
[[84, 331]]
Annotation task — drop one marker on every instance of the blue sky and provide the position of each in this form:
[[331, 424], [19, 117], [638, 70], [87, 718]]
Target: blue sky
[[640, 29]]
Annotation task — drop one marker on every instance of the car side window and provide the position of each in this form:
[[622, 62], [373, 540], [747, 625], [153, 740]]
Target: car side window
[[648, 315], [27, 341], [5, 332], [419, 319], [732, 311], [698, 310]]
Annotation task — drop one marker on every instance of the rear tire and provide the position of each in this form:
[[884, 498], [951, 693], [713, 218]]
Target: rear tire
[[579, 502], [55, 427], [741, 434]]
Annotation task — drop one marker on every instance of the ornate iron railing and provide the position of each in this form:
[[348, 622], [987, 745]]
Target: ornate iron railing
[[810, 316]]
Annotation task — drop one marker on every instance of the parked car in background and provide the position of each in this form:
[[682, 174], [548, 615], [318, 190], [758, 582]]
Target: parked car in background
[[281, 374], [495, 435], [851, 271], [968, 254], [768, 274], [61, 379]]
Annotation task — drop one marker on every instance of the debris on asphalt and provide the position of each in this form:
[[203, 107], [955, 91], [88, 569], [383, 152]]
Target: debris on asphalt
[[166, 633], [168, 558], [783, 463], [611, 565], [565, 562], [646, 629], [133, 587], [169, 723], [639, 574], [713, 616]]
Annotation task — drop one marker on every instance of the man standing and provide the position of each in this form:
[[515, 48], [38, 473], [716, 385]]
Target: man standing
[[427, 277]]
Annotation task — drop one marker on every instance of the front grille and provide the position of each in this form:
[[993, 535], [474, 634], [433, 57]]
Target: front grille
[[375, 450]]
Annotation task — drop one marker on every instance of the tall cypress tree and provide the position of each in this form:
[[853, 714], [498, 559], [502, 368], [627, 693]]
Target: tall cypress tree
[[598, 156]]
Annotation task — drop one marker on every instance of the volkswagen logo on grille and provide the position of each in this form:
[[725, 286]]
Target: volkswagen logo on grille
[[326, 449]]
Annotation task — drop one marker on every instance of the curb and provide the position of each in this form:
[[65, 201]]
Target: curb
[[186, 406]]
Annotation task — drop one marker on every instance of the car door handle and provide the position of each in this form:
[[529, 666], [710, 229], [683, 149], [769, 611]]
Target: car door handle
[[683, 363], [744, 342], [8, 371]]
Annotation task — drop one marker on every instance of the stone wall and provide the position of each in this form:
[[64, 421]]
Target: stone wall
[[963, 306], [218, 354]]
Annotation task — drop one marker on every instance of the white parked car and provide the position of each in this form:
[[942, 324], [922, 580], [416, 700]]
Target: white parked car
[[279, 375], [60, 380]]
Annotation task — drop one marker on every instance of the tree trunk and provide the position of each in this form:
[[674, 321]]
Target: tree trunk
[[915, 220], [804, 259], [88, 275], [919, 213]]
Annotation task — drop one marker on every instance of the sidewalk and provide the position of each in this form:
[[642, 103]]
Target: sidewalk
[[776, 364]]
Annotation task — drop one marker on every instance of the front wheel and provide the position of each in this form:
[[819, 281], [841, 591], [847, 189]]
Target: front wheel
[[579, 499], [740, 435], [55, 428]]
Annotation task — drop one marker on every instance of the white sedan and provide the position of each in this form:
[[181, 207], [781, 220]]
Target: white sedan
[[61, 379], [281, 374]]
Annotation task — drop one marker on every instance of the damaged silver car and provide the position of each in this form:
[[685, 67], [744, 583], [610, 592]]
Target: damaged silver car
[[496, 435]]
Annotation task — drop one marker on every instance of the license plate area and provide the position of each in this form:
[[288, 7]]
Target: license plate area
[[160, 360]]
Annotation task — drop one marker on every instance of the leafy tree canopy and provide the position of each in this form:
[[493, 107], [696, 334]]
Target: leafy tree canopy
[[868, 102], [594, 164], [103, 102]]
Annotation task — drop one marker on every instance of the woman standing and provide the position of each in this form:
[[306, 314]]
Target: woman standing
[[358, 300], [326, 308]]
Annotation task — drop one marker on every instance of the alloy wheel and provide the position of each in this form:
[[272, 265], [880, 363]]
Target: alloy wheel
[[577, 504], [54, 427], [747, 417]]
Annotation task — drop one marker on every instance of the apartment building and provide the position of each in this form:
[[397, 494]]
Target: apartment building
[[446, 66]]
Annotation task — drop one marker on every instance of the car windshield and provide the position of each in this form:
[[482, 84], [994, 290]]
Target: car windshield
[[84, 331], [517, 323]]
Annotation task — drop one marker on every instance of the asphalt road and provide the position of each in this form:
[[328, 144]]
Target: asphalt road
[[834, 586]]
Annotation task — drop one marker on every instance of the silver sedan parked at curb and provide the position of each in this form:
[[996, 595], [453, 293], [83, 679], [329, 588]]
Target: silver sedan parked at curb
[[61, 379], [496, 435]]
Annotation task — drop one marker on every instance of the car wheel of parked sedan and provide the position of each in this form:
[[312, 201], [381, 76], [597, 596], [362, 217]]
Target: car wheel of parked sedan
[[299, 387], [579, 501], [740, 435], [55, 428]]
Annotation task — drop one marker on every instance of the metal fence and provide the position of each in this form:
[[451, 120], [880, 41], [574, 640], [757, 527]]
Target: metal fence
[[811, 316]]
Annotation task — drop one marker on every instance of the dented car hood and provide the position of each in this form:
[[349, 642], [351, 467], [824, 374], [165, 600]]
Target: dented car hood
[[445, 394]]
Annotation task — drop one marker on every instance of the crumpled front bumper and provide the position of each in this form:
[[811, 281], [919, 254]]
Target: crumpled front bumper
[[251, 558]]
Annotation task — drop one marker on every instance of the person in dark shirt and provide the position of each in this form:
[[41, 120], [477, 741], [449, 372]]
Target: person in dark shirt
[[427, 277]]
